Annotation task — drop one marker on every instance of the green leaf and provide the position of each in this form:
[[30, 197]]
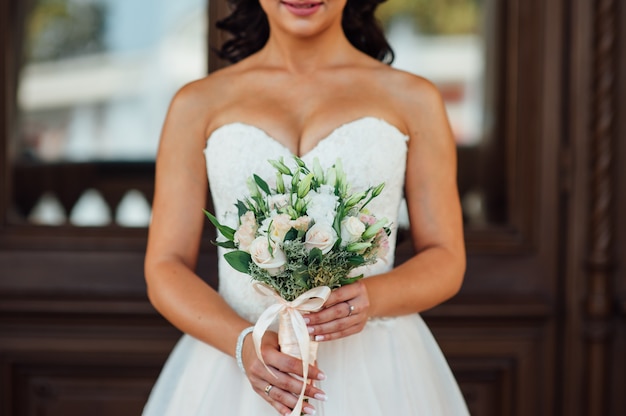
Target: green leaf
[[262, 184], [348, 280], [225, 244], [315, 255], [241, 209], [291, 235], [356, 260], [227, 232], [301, 277], [339, 217], [260, 204], [239, 260]]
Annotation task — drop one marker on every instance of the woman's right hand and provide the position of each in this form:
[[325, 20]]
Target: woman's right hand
[[285, 388]]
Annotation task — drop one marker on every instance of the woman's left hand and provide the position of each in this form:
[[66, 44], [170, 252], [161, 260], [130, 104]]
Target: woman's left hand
[[345, 313]]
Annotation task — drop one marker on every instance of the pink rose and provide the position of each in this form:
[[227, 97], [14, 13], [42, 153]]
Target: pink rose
[[380, 245], [367, 219]]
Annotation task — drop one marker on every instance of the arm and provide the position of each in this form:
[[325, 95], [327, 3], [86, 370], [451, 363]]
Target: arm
[[173, 244], [435, 272], [175, 231]]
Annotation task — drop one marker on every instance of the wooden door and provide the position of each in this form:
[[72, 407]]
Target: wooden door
[[539, 327]]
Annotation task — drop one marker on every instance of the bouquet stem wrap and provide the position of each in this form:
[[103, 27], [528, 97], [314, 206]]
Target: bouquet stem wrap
[[293, 336]]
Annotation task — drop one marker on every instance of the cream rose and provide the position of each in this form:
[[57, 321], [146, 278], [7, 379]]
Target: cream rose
[[351, 230], [322, 236], [301, 223], [281, 224], [272, 262], [246, 231]]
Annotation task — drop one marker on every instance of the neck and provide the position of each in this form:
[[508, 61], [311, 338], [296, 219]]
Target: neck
[[307, 54]]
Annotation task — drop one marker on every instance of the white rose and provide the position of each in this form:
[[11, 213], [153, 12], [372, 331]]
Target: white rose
[[272, 262], [281, 224], [351, 230], [322, 236]]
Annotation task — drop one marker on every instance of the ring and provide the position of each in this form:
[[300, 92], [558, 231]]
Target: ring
[[351, 308], [268, 388]]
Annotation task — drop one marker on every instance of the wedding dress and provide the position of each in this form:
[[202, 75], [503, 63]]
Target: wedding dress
[[393, 367]]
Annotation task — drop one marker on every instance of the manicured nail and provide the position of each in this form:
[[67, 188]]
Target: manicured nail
[[319, 337], [320, 397], [321, 376], [307, 321], [309, 410], [310, 329]]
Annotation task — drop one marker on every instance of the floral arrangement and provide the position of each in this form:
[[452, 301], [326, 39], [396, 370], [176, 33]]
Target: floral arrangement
[[299, 239], [307, 231]]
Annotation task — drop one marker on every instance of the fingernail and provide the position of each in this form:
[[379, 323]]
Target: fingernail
[[307, 320], [320, 397], [321, 376], [310, 329], [319, 337], [309, 410]]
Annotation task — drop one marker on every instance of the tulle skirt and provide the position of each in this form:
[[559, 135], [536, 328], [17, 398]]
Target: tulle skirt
[[393, 367]]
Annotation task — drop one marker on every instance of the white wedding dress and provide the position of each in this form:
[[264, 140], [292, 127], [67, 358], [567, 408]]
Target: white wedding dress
[[393, 367]]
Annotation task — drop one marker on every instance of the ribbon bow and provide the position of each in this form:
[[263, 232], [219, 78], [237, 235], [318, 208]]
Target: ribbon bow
[[310, 301]]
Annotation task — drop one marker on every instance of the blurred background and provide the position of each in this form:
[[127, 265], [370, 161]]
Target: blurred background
[[534, 91]]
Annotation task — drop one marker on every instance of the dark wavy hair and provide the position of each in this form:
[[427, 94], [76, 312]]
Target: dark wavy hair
[[249, 29]]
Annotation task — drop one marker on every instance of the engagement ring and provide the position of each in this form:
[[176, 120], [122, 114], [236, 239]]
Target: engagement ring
[[350, 308]]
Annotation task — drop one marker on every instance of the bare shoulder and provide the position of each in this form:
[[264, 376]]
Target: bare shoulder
[[202, 94], [412, 91], [415, 99], [198, 103]]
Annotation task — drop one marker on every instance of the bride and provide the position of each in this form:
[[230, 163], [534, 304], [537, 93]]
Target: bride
[[309, 79]]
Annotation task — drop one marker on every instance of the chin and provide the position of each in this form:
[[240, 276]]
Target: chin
[[303, 18]]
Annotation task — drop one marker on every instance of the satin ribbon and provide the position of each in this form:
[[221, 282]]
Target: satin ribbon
[[310, 301]]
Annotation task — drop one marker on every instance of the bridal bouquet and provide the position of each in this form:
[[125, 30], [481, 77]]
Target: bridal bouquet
[[301, 237]]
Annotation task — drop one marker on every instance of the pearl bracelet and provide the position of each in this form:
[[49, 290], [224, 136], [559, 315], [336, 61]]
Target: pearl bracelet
[[239, 348]]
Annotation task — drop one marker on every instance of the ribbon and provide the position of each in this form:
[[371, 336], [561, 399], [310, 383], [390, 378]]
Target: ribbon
[[310, 301]]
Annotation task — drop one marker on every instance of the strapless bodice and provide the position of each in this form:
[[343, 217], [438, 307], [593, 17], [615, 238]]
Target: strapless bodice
[[371, 151]]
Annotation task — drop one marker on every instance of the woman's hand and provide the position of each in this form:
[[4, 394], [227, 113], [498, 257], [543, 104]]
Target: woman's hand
[[345, 313], [281, 391]]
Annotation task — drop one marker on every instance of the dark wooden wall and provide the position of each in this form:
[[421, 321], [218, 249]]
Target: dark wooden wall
[[539, 327]]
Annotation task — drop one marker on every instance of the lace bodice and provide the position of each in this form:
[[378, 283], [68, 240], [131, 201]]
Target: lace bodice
[[371, 151]]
